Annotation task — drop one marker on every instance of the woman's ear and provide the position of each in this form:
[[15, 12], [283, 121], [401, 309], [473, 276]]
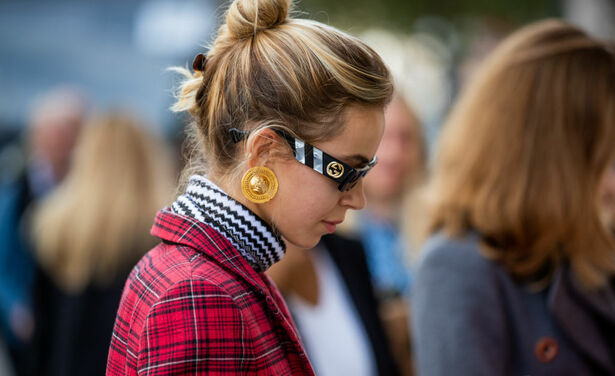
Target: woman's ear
[[264, 145]]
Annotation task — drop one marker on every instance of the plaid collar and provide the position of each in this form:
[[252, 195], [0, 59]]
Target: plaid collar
[[250, 235]]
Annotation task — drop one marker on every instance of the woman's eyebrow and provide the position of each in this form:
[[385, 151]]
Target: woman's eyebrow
[[355, 160]]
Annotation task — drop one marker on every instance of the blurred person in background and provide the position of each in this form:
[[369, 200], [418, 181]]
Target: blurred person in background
[[518, 276], [330, 295], [401, 166], [55, 121], [484, 35], [88, 234], [389, 226]]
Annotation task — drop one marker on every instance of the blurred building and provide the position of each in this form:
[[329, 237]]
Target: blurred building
[[118, 51], [595, 16]]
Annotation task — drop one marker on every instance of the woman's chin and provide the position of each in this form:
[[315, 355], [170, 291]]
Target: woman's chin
[[303, 243]]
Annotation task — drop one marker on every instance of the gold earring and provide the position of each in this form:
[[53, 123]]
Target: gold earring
[[259, 184]]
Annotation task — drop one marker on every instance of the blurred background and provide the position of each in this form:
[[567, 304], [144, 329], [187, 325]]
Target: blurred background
[[117, 51], [62, 60]]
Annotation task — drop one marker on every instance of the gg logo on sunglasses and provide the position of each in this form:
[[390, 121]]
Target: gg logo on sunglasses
[[335, 169]]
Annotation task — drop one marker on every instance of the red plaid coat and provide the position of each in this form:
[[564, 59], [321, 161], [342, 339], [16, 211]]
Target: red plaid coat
[[193, 305]]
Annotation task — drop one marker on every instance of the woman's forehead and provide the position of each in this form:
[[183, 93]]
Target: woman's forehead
[[362, 130]]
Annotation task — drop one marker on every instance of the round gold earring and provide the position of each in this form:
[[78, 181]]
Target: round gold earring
[[259, 184]]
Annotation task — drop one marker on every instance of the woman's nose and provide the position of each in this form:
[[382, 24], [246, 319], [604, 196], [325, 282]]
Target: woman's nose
[[354, 198]]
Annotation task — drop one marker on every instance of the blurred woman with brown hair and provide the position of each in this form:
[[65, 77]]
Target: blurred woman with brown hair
[[88, 235], [518, 276]]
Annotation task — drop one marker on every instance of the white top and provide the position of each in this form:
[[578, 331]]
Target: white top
[[332, 331]]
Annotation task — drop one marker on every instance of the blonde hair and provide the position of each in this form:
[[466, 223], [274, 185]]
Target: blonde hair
[[96, 223], [267, 68], [523, 153]]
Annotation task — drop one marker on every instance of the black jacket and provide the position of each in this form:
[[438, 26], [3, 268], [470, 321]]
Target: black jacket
[[349, 257]]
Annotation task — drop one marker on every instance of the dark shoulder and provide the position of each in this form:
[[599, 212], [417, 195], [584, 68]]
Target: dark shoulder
[[459, 254], [457, 264], [344, 249], [454, 273], [459, 309], [335, 241]]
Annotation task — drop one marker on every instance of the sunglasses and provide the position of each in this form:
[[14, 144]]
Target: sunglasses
[[344, 175]]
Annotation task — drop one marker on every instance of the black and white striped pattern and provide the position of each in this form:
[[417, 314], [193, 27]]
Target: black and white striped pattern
[[253, 238], [308, 155]]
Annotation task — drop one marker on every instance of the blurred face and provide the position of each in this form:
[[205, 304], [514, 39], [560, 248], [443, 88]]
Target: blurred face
[[308, 204], [53, 139], [399, 154]]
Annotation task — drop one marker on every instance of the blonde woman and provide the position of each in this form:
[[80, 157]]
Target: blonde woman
[[389, 227], [88, 234], [518, 276], [288, 114]]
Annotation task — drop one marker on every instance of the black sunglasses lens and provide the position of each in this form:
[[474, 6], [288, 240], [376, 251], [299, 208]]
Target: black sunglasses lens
[[350, 182]]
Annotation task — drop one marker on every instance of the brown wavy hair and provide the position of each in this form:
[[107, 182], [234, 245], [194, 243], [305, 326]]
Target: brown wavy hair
[[524, 151], [266, 68]]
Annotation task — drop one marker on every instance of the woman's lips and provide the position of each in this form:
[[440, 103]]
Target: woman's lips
[[330, 226]]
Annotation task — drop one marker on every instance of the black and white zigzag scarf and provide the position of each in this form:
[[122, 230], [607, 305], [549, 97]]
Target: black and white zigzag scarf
[[250, 235]]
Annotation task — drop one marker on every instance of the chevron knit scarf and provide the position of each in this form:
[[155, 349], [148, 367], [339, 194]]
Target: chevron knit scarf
[[250, 235]]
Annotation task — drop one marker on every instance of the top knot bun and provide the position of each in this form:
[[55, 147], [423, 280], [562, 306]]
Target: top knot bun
[[245, 18]]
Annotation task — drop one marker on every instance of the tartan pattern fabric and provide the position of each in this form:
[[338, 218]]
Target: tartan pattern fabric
[[193, 305], [249, 234]]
